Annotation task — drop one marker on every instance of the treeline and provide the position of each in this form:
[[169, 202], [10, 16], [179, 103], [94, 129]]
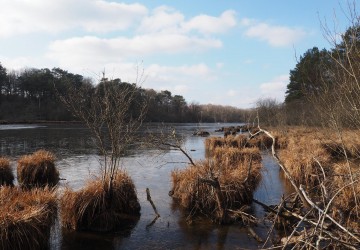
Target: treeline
[[324, 86], [32, 95]]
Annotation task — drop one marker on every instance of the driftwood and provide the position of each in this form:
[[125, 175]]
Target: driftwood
[[148, 196], [157, 215]]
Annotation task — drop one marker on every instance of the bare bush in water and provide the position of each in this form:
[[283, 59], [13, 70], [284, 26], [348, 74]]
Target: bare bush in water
[[113, 111]]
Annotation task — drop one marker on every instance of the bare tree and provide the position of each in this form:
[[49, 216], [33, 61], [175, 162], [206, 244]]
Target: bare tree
[[113, 111]]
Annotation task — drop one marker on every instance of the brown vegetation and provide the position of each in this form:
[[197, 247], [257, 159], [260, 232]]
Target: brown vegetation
[[328, 163], [235, 157], [217, 185], [6, 174], [26, 218], [37, 170], [98, 208]]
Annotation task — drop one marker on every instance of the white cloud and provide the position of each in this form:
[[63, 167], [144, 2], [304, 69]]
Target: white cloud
[[275, 88], [177, 79], [275, 35], [24, 17], [89, 50], [162, 19], [231, 93], [212, 25], [219, 65], [165, 19]]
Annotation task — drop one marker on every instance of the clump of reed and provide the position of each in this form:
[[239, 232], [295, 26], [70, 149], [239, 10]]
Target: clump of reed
[[26, 217], [213, 142], [99, 207], [348, 147], [304, 157], [260, 141], [6, 174], [37, 170], [238, 141], [348, 192], [234, 157], [198, 197]]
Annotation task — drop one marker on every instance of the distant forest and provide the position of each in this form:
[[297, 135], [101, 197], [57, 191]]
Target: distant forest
[[32, 94]]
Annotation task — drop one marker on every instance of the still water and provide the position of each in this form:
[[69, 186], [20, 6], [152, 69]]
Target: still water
[[77, 161]]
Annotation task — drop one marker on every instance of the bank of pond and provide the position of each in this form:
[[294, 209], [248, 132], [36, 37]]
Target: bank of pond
[[323, 210]]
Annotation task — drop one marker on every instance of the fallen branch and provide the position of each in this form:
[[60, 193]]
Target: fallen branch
[[152, 203], [305, 202], [326, 215]]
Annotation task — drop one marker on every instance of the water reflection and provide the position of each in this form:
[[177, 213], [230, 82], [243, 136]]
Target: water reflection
[[77, 161]]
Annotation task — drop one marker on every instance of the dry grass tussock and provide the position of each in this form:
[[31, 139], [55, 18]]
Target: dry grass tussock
[[95, 208], [6, 174], [37, 170], [323, 160], [239, 141], [236, 184], [345, 201], [26, 217], [305, 158], [213, 142], [235, 157]]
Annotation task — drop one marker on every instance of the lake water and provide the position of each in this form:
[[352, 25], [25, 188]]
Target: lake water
[[77, 161]]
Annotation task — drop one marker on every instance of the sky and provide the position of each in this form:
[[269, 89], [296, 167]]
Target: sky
[[227, 52]]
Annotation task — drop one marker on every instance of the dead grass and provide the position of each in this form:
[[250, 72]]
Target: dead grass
[[26, 218], [6, 174], [261, 141], [236, 185], [94, 208], [234, 157], [345, 200], [213, 142], [37, 170], [304, 157], [316, 156]]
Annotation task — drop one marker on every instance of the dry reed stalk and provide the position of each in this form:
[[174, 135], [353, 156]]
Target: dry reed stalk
[[37, 170], [237, 186], [26, 218], [95, 208], [6, 174]]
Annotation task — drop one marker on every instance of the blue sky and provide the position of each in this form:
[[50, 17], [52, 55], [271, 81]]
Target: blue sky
[[229, 52]]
